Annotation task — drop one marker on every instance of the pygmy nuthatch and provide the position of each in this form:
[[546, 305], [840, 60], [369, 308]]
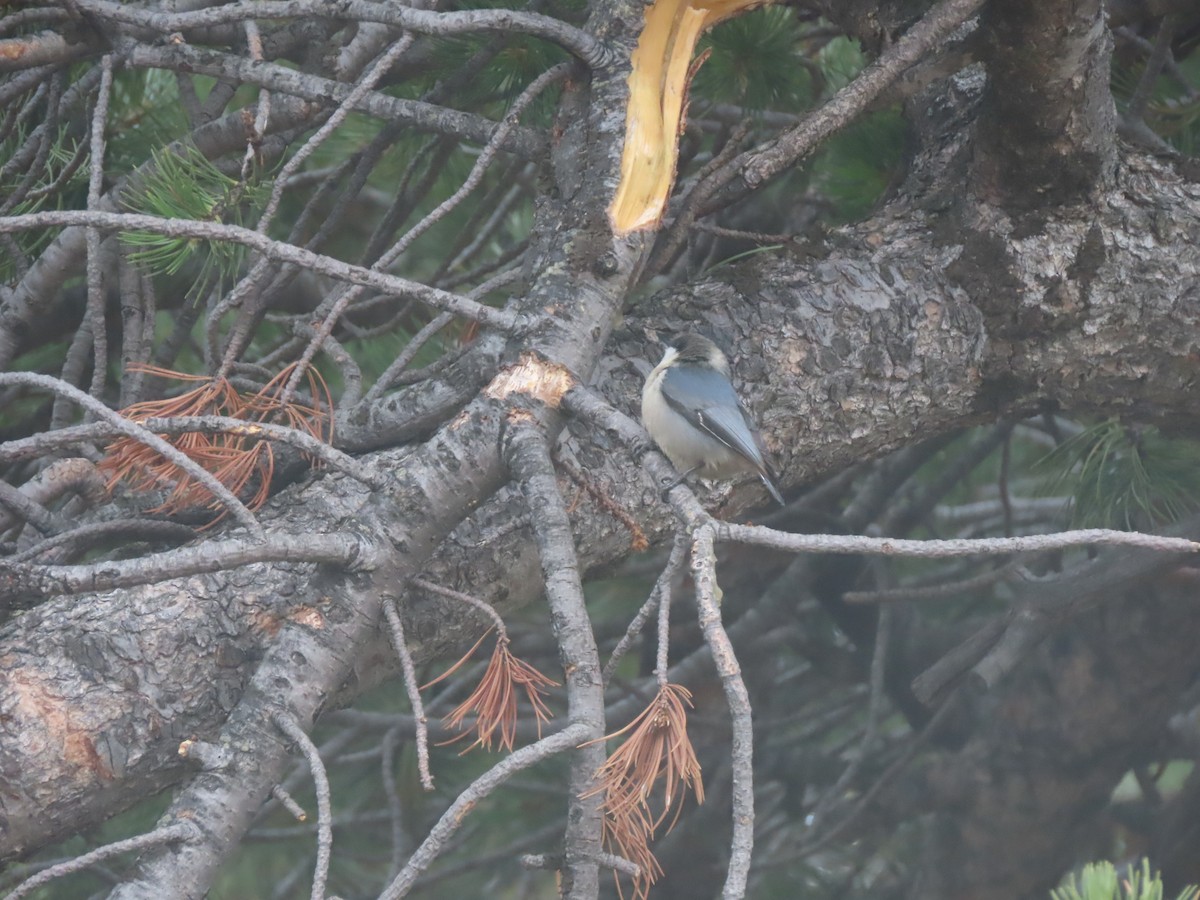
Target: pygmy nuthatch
[[692, 412]]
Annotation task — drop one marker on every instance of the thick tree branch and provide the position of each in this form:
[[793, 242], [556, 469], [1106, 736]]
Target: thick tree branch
[[1048, 125], [916, 323], [435, 486], [529, 459]]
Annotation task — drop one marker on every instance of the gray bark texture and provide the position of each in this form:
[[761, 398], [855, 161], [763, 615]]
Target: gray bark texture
[[1028, 263]]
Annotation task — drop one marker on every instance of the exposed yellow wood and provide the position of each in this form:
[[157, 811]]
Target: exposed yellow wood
[[658, 85]]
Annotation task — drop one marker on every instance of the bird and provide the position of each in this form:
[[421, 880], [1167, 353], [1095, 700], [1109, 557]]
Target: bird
[[692, 412]]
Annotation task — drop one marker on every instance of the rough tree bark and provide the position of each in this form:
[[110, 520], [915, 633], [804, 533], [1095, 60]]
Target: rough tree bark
[[1016, 270]]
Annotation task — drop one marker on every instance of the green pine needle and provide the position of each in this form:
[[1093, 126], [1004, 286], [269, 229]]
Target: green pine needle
[[1099, 881], [188, 186], [145, 112], [1172, 112], [756, 62], [1120, 477]]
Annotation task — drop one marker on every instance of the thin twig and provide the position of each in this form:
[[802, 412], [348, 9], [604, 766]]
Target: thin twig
[[387, 772], [662, 589], [417, 115], [289, 726], [486, 608], [96, 295], [937, 591], [412, 687], [469, 799], [741, 845], [289, 803], [27, 580], [83, 537], [583, 45], [280, 250], [849, 543], [918, 740], [1172, 67], [402, 361], [482, 163], [1154, 64], [180, 831], [345, 107], [706, 183], [874, 703]]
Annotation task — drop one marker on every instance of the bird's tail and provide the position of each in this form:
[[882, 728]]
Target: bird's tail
[[769, 480]]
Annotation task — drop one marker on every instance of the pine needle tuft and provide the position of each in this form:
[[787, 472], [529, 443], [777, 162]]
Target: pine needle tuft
[[657, 750], [241, 461], [494, 700]]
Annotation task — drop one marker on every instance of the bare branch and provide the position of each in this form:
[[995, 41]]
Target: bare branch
[[289, 726], [580, 43], [33, 581], [529, 460], [660, 593], [326, 265], [169, 834], [96, 297], [453, 817], [396, 630], [935, 549], [315, 89], [939, 23], [704, 562]]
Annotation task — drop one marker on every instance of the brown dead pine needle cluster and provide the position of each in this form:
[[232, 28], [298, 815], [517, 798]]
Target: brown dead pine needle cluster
[[658, 749], [243, 461], [494, 700]]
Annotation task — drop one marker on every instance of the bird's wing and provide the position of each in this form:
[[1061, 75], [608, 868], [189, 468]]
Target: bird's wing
[[707, 400]]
